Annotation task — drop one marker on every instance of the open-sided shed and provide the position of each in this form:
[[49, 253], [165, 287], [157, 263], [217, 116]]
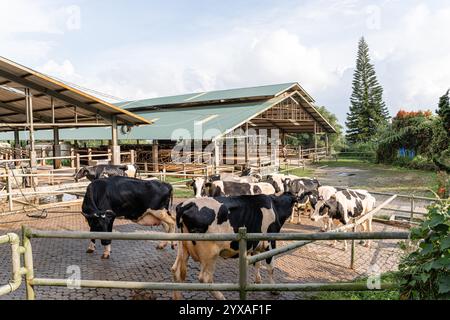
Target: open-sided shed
[[31, 101]]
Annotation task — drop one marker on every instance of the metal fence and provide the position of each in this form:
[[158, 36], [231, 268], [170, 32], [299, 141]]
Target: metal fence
[[243, 286]]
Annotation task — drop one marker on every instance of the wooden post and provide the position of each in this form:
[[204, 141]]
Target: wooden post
[[246, 160], [327, 147], [9, 188], [43, 155], [115, 142], [132, 156], [72, 159], [412, 209], [17, 153], [56, 148], [315, 142], [108, 151], [217, 156], [29, 111], [89, 152], [77, 162], [155, 157], [146, 166]]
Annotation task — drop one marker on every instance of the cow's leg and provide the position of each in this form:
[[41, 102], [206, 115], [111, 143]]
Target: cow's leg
[[292, 215], [162, 244], [207, 275], [207, 256], [367, 228], [179, 267], [168, 223], [106, 249], [257, 272], [91, 246], [271, 266]]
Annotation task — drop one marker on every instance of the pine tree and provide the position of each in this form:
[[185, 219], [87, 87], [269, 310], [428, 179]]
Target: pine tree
[[367, 109], [444, 111]]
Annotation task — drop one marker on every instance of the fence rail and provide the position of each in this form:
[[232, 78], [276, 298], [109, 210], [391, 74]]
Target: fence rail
[[244, 261]]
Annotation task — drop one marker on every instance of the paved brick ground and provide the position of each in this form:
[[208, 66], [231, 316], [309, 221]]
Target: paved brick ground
[[140, 261]]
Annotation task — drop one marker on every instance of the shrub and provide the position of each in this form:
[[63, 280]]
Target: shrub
[[425, 272]]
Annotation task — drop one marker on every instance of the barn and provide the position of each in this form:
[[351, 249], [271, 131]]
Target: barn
[[216, 127]]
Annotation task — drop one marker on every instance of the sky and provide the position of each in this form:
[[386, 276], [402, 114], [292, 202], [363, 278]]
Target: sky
[[142, 49]]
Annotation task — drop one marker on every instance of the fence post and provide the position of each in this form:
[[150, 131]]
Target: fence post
[[412, 209], [9, 188], [132, 156], [89, 151], [77, 162], [72, 157], [352, 253], [243, 263], [28, 263]]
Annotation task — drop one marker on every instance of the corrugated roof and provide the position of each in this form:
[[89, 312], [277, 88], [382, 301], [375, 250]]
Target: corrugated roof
[[172, 121], [251, 93], [214, 121], [42, 87]]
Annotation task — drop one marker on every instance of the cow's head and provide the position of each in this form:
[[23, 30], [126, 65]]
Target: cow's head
[[198, 185], [309, 196], [286, 184], [81, 173], [330, 208], [101, 221]]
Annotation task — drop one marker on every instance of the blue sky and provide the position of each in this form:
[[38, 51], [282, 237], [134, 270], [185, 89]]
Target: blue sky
[[141, 49]]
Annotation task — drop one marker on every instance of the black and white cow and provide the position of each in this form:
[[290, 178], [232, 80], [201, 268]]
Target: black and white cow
[[145, 202], [311, 198], [277, 180], [203, 188], [231, 188], [258, 213], [301, 187], [105, 171], [345, 205]]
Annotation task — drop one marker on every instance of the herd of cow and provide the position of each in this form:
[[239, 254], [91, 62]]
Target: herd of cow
[[221, 204]]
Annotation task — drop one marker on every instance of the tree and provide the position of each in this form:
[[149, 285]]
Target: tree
[[442, 160], [367, 109], [444, 111]]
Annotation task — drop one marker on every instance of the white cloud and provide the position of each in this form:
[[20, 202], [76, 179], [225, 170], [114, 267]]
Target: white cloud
[[313, 42]]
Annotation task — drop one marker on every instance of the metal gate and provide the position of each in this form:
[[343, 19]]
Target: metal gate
[[243, 286]]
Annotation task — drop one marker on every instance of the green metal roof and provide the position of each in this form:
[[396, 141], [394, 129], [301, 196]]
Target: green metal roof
[[267, 91], [173, 124]]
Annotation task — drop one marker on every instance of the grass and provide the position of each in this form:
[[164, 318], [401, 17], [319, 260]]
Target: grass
[[183, 193], [388, 277], [307, 172]]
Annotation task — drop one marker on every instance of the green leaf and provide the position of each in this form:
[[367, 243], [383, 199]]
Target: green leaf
[[437, 219], [426, 248], [424, 277], [444, 283], [445, 243]]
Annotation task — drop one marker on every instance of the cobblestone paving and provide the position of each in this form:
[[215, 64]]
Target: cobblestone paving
[[141, 261]]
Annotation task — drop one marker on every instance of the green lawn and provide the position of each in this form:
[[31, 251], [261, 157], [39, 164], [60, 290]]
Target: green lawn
[[360, 295]]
